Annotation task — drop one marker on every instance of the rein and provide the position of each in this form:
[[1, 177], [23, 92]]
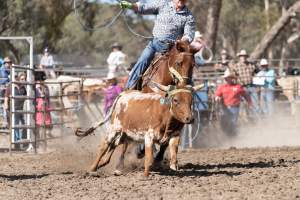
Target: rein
[[174, 72]]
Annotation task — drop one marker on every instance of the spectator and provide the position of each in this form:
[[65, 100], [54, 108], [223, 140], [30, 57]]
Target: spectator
[[43, 115], [1, 62], [5, 71], [229, 94], [265, 80], [245, 72], [116, 59], [224, 62], [111, 92], [19, 90], [4, 80], [47, 63]]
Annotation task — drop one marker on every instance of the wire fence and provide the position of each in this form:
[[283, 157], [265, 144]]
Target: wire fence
[[38, 135]]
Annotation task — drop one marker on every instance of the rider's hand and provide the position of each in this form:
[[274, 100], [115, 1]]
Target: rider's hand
[[126, 5]]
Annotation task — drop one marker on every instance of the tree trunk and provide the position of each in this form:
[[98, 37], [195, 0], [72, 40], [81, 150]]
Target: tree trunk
[[213, 22], [271, 35], [268, 24]]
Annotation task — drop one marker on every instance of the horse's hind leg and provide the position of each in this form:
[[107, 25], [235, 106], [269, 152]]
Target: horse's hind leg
[[160, 155], [120, 164]]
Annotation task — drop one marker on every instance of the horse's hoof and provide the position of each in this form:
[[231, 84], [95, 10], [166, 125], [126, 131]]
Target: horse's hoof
[[118, 172], [174, 167]]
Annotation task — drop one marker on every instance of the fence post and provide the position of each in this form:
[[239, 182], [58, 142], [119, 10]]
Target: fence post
[[62, 108]]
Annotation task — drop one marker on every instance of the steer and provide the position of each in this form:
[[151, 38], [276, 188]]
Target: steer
[[149, 118]]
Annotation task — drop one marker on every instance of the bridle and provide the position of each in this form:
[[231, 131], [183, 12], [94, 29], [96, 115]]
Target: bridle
[[174, 69]]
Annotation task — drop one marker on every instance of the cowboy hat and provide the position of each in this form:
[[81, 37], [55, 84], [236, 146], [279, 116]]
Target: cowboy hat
[[243, 52], [7, 60], [228, 74], [264, 62], [198, 34]]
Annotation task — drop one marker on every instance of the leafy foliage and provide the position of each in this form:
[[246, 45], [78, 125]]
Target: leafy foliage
[[53, 23]]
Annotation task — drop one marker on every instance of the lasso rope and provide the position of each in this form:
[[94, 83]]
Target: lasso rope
[[102, 26]]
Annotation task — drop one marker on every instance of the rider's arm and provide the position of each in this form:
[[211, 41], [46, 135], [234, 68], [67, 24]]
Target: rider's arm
[[149, 7], [189, 29]]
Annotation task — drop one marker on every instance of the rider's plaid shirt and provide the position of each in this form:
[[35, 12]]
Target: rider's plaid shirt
[[169, 24], [245, 72]]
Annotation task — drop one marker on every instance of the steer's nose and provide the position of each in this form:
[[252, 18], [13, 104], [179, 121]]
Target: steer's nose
[[189, 120]]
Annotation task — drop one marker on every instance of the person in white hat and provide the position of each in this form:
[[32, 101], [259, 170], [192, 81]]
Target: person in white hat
[[47, 63], [265, 79], [116, 59], [246, 71], [230, 95]]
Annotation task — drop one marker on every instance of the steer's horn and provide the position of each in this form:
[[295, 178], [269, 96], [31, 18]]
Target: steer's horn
[[160, 86], [198, 87]]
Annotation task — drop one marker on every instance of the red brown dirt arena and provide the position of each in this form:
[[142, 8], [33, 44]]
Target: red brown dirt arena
[[256, 173]]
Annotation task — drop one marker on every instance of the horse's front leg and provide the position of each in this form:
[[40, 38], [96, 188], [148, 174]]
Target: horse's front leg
[[173, 145], [120, 164]]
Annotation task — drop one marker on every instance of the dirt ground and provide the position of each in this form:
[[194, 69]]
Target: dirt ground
[[232, 173]]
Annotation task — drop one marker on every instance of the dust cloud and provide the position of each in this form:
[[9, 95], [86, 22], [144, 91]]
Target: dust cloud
[[279, 129]]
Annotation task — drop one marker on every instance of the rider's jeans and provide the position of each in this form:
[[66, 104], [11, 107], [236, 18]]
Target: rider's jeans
[[154, 46]]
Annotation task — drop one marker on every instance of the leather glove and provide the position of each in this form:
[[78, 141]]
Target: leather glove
[[126, 5]]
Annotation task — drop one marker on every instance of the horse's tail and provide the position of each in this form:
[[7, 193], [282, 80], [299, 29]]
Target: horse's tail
[[84, 133]]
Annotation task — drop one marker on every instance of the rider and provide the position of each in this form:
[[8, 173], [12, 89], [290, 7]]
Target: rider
[[173, 21]]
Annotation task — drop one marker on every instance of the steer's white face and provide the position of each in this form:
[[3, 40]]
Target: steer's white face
[[181, 107]]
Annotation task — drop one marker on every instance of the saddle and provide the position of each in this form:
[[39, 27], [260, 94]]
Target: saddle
[[151, 71]]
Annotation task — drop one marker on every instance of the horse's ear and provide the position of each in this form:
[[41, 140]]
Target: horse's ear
[[181, 46], [193, 49]]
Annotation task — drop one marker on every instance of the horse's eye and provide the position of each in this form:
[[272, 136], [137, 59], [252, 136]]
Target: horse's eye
[[175, 101], [178, 64]]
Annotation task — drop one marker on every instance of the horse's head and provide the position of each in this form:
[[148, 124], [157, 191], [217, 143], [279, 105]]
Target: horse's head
[[181, 62]]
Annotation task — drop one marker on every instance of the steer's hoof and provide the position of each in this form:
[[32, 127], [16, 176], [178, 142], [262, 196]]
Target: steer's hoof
[[174, 167], [92, 173], [118, 172]]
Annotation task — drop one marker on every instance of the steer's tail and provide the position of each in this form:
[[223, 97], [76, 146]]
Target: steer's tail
[[82, 133]]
